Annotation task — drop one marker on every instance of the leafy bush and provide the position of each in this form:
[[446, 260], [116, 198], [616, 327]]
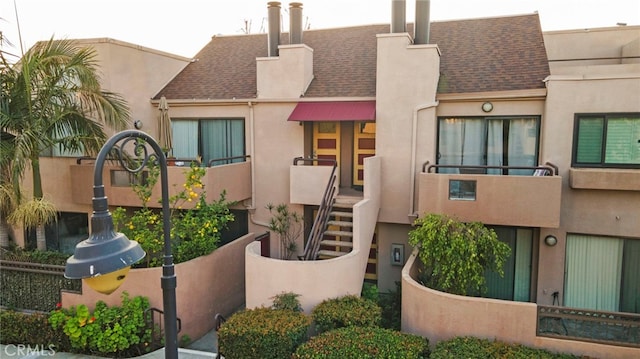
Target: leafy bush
[[476, 348], [34, 256], [288, 225], [457, 255], [287, 301], [108, 330], [391, 305], [262, 333], [194, 232], [19, 328], [364, 342], [346, 311]]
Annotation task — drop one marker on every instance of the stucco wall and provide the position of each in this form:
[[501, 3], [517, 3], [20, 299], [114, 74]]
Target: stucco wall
[[442, 316], [205, 286]]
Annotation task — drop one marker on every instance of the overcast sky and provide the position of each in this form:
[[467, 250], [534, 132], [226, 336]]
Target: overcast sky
[[183, 27]]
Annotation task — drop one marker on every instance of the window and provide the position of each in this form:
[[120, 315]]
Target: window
[[516, 283], [492, 141], [462, 190], [211, 139], [602, 273], [64, 233], [609, 140]]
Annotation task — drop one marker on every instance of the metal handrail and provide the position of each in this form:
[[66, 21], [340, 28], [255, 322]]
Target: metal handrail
[[186, 160], [326, 205], [550, 167], [613, 328], [227, 159]]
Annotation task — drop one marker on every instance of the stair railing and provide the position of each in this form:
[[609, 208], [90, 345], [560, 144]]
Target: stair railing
[[322, 217]]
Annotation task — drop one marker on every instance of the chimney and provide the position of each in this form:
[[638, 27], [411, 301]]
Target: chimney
[[421, 27], [295, 23], [274, 27], [398, 16]]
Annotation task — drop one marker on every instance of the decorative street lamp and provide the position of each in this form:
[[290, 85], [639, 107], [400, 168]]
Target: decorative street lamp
[[104, 259]]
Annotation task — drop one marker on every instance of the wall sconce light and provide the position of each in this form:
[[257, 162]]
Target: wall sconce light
[[487, 107], [397, 254], [137, 124], [550, 240]]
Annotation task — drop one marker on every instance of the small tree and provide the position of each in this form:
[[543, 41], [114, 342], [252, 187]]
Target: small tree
[[288, 225], [456, 255]]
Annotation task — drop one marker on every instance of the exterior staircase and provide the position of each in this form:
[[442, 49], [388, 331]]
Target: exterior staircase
[[337, 239]]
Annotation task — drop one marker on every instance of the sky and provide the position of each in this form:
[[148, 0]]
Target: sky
[[184, 27]]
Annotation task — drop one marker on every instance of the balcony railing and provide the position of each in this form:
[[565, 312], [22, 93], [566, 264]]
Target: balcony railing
[[233, 178], [589, 325], [476, 194]]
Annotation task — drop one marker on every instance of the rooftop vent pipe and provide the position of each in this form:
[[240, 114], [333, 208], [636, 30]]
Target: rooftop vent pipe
[[274, 27], [295, 23], [398, 16], [421, 27]]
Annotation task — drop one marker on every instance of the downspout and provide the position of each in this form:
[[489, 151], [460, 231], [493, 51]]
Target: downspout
[[414, 148], [252, 139]]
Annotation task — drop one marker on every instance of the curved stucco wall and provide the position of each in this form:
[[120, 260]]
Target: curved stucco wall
[[206, 286], [442, 316]]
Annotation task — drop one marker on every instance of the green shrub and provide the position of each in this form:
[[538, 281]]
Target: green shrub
[[287, 301], [262, 333], [34, 256], [19, 328], [476, 348], [391, 305], [370, 291], [117, 330], [456, 255], [346, 311], [364, 342]]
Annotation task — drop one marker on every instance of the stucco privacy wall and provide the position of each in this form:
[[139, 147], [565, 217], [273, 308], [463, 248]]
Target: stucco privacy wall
[[442, 316], [205, 286], [316, 281]]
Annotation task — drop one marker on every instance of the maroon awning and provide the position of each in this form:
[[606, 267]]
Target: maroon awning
[[334, 111]]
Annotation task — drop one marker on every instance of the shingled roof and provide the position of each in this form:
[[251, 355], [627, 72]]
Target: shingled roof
[[488, 54]]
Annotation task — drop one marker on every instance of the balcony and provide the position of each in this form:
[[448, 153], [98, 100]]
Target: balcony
[[234, 178], [472, 195]]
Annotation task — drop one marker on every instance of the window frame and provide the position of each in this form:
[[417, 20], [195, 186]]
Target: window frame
[[537, 118], [200, 147], [605, 117]]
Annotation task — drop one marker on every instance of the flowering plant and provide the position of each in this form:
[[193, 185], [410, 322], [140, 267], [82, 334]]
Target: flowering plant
[[195, 231], [107, 330]]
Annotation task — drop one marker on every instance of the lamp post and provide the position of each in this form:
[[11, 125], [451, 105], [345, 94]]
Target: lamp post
[[104, 259]]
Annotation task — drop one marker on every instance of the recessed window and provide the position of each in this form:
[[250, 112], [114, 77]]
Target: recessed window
[[215, 141], [123, 178], [607, 140], [488, 141], [462, 190]]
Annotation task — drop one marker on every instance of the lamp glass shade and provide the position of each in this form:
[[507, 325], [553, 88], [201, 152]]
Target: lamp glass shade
[[102, 253], [107, 283]]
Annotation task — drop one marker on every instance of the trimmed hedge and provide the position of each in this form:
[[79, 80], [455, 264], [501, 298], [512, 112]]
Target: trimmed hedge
[[30, 329], [476, 348], [262, 333], [346, 311], [362, 343]]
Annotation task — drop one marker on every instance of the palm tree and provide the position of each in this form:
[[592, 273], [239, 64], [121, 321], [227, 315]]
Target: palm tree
[[52, 98]]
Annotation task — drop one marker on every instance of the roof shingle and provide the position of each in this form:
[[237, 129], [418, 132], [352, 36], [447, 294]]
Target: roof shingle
[[489, 54]]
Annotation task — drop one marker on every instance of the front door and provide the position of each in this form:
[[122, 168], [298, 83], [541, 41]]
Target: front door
[[364, 145], [326, 141]]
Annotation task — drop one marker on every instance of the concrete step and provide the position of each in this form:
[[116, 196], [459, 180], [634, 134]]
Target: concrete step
[[330, 254], [340, 223], [338, 204], [338, 233], [341, 214], [332, 243]]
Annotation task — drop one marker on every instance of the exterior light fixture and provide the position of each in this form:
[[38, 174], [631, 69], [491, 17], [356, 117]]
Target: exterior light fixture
[[487, 107], [550, 240], [104, 259]]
